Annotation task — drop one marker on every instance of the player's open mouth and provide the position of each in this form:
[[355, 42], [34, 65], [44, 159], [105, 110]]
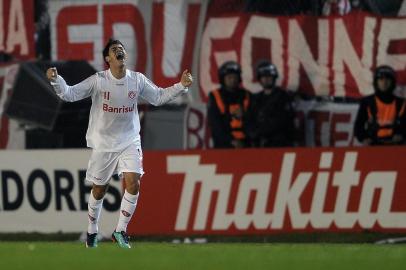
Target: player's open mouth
[[120, 55]]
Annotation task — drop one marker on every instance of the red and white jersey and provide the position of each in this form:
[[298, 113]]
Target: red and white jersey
[[114, 122]]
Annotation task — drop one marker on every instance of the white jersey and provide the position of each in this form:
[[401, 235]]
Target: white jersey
[[114, 123]]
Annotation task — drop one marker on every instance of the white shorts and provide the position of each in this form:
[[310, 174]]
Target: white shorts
[[103, 165]]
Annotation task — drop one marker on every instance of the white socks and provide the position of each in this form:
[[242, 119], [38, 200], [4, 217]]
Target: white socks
[[128, 205], [94, 208]]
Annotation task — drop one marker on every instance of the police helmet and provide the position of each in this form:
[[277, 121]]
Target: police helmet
[[229, 67], [266, 68], [385, 71]]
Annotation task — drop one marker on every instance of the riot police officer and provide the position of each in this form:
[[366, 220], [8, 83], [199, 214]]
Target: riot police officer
[[273, 120], [381, 117], [228, 109]]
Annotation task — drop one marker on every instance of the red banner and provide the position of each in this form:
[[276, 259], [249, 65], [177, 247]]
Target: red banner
[[17, 28], [80, 31], [243, 192], [12, 136], [324, 56]]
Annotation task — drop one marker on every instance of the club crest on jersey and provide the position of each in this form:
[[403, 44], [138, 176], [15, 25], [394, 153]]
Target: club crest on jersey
[[131, 94]]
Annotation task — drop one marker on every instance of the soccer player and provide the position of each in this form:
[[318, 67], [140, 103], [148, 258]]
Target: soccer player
[[113, 131]]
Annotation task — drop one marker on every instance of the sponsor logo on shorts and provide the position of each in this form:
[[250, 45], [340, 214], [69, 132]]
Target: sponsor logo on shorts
[[98, 179]]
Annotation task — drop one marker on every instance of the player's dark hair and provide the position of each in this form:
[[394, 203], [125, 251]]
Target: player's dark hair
[[106, 49]]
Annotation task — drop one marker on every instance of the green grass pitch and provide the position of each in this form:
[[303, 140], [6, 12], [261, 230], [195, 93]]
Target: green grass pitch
[[247, 256]]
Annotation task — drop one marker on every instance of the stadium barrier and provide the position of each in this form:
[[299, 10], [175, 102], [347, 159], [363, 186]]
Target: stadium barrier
[[44, 191], [215, 192]]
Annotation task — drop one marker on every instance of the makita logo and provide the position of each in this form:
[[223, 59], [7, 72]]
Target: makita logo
[[329, 195], [123, 109]]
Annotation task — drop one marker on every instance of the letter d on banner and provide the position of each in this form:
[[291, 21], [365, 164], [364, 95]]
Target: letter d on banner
[[6, 177]]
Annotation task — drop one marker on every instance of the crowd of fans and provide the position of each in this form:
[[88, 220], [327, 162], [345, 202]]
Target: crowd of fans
[[325, 7]]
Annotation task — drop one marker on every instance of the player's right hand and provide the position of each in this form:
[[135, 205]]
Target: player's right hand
[[52, 74]]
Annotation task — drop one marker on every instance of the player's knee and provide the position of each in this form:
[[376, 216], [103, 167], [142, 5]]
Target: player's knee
[[99, 192], [132, 182], [133, 187]]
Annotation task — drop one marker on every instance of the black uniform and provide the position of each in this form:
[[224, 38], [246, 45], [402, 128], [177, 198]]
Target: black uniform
[[273, 121], [272, 124], [228, 111], [367, 124], [235, 109], [381, 116]]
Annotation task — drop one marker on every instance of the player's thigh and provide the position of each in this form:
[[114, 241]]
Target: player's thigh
[[131, 161], [101, 167]]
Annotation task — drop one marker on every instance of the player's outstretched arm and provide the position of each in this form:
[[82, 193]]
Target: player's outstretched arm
[[159, 96], [70, 93]]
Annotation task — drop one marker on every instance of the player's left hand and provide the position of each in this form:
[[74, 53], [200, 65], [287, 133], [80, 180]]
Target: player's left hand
[[186, 80]]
